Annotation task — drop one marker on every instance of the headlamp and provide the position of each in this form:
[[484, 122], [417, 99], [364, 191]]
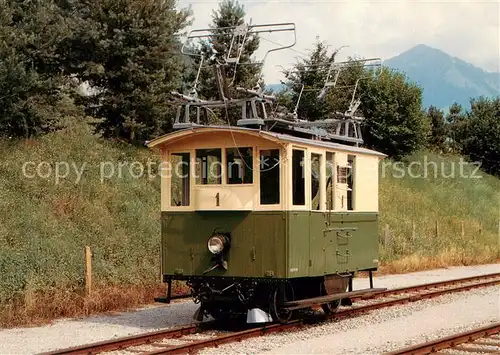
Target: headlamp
[[216, 244]]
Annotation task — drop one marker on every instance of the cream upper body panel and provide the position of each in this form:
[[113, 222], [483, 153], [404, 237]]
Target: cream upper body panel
[[358, 192]]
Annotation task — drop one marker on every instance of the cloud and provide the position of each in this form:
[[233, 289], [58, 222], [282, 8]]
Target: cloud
[[469, 30]]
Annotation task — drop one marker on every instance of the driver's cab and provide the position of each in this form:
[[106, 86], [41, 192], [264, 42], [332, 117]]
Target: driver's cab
[[232, 168]]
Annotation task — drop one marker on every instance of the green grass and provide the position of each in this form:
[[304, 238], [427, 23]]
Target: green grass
[[466, 209], [46, 225]]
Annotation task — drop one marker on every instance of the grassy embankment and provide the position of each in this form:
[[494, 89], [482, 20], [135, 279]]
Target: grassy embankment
[[45, 226], [438, 220]]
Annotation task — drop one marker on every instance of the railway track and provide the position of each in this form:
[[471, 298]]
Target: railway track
[[194, 337], [481, 340]]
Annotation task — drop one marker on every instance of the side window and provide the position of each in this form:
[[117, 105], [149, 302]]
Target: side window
[[180, 163], [298, 178], [269, 166], [315, 178], [208, 166], [344, 185], [350, 182], [239, 165], [330, 180]]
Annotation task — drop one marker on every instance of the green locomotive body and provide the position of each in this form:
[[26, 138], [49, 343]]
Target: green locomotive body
[[254, 220], [277, 244]]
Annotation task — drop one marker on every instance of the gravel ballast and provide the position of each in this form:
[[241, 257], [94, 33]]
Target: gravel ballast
[[382, 330], [67, 333], [370, 334]]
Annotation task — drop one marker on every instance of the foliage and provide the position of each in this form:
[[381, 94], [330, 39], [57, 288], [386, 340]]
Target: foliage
[[439, 131], [452, 119], [477, 132], [394, 122], [306, 79], [32, 90], [229, 14], [311, 73], [127, 52]]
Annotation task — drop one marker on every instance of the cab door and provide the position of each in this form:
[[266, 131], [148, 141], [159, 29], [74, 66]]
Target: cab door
[[337, 241]]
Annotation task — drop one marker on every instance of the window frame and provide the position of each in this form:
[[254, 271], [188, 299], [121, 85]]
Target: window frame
[[330, 208], [321, 181], [167, 181], [351, 162], [222, 162], [252, 163], [306, 174], [257, 179]]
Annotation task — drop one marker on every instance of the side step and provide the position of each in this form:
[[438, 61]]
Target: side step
[[308, 302]]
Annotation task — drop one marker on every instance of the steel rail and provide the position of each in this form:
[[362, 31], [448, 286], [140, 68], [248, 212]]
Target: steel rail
[[452, 342], [192, 347], [134, 340], [400, 290], [149, 338]]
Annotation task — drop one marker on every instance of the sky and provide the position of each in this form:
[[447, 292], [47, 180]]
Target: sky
[[469, 30]]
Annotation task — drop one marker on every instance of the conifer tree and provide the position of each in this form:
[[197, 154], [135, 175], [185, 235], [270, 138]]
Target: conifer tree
[[477, 133], [439, 130], [311, 73], [229, 14], [127, 51], [32, 86], [394, 122]]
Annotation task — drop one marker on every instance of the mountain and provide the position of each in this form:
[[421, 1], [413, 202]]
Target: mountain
[[445, 79], [275, 87]]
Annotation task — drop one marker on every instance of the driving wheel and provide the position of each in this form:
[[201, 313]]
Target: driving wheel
[[281, 294], [330, 307]]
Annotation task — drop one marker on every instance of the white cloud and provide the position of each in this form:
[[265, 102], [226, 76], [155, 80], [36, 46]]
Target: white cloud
[[469, 30]]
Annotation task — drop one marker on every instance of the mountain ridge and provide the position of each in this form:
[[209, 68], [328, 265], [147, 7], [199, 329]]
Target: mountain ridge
[[444, 78]]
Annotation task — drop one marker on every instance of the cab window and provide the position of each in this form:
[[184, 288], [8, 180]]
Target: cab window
[[330, 180], [351, 159], [269, 168], [208, 166], [298, 178], [315, 179], [180, 173], [239, 165]]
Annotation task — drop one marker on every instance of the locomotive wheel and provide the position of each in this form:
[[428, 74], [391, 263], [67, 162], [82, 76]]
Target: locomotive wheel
[[279, 295], [330, 307]]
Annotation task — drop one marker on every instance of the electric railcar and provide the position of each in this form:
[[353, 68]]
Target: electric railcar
[[261, 223]]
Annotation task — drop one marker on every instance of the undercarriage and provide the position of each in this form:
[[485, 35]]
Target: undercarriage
[[267, 300]]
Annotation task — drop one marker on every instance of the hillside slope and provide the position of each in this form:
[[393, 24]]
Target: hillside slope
[[444, 78], [45, 226], [440, 211], [46, 223]]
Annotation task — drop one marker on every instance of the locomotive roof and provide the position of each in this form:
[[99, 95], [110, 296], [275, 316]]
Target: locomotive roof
[[274, 136]]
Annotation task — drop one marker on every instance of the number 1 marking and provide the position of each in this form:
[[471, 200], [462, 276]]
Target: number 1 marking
[[217, 200]]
